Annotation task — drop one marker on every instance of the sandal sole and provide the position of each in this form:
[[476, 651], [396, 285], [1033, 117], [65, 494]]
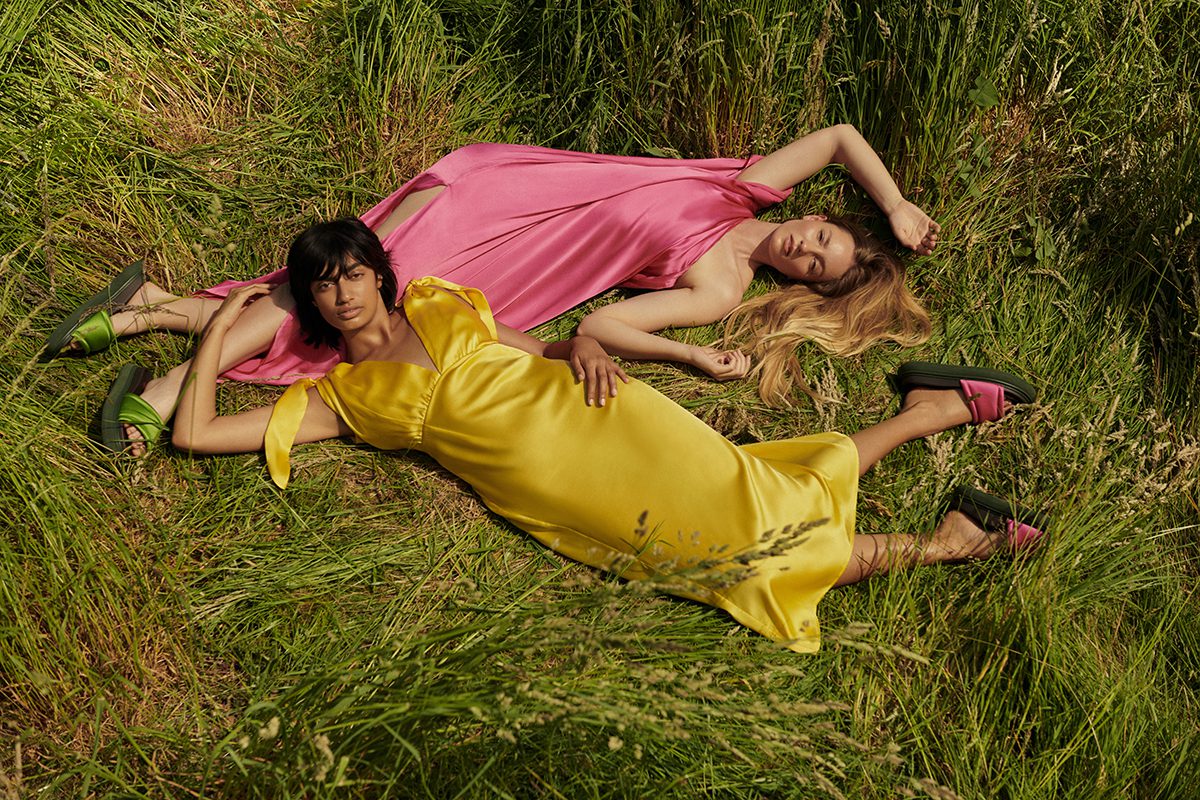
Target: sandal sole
[[993, 512], [112, 430], [116, 293], [923, 374]]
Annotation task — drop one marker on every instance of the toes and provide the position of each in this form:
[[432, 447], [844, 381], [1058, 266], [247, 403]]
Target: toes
[[137, 443]]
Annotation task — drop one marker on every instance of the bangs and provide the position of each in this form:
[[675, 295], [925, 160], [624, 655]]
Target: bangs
[[338, 265]]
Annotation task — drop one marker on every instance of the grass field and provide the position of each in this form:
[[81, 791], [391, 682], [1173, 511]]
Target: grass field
[[179, 628]]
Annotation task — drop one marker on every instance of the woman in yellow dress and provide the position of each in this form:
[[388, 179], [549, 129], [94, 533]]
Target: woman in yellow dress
[[626, 481]]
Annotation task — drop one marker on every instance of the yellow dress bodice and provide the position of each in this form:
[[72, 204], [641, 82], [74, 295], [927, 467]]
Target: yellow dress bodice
[[638, 486]]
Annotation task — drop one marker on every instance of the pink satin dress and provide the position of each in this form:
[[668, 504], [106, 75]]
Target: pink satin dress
[[539, 231]]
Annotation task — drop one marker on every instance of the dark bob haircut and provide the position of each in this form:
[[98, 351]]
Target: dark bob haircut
[[328, 250]]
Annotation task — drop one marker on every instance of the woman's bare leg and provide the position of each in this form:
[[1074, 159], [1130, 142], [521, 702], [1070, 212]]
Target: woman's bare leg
[[408, 206], [924, 413], [155, 309], [250, 335], [957, 538]]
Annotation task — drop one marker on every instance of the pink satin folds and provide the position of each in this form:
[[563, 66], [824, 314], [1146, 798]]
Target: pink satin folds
[[539, 231]]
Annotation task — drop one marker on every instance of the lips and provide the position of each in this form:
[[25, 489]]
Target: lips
[[349, 313], [790, 249]]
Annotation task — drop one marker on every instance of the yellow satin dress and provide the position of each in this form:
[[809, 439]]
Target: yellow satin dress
[[639, 486]]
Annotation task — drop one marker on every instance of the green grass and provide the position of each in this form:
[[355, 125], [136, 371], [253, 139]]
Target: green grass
[[180, 628]]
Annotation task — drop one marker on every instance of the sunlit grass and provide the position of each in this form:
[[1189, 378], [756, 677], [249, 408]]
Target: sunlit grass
[[180, 628]]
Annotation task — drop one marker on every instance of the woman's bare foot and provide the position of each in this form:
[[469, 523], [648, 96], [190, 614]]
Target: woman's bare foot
[[959, 538], [937, 410], [161, 394], [137, 443]]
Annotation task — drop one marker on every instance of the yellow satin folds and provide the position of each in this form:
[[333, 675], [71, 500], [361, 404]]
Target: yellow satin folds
[[639, 486]]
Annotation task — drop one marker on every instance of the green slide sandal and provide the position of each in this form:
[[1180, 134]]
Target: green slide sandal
[[90, 323]]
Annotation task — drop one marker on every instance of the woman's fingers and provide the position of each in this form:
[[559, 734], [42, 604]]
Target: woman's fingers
[[243, 294], [237, 300], [724, 365], [738, 366], [613, 376], [914, 228], [599, 375], [593, 390]]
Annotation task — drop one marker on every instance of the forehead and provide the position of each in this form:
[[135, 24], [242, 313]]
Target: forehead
[[338, 269], [839, 238]]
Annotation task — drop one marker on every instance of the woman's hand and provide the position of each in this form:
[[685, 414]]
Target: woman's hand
[[234, 304], [913, 228], [595, 369], [724, 365]]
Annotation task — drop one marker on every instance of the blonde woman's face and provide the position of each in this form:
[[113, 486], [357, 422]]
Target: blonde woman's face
[[811, 249]]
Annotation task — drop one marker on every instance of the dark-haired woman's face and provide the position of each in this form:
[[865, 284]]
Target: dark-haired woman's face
[[811, 249], [350, 299]]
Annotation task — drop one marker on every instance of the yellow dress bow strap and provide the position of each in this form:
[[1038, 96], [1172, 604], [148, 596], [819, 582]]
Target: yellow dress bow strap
[[438, 312], [281, 430]]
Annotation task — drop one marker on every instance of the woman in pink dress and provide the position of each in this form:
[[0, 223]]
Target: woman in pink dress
[[540, 231]]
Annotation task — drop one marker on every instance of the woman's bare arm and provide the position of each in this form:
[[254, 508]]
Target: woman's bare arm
[[843, 144], [198, 427], [625, 329]]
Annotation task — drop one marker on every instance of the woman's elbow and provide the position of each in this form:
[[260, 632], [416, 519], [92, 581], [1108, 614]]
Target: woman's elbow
[[591, 325], [181, 438]]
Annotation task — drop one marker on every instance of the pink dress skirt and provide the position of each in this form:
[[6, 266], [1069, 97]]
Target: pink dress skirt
[[539, 231]]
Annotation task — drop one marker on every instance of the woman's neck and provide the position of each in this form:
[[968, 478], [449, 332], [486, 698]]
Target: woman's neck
[[749, 241], [377, 335]]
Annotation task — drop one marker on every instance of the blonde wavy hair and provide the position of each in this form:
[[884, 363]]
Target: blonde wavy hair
[[867, 305]]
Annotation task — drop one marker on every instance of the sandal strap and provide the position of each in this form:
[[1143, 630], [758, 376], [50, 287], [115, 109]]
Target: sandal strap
[[95, 333], [985, 399], [141, 415], [1021, 535]]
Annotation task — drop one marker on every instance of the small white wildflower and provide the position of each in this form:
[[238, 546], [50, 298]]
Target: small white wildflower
[[325, 756], [270, 730]]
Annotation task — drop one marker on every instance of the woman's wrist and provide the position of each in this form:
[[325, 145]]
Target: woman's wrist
[[894, 205]]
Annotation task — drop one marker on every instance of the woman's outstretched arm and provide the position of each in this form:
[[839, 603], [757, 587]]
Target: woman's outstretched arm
[[198, 427], [843, 144], [625, 329]]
